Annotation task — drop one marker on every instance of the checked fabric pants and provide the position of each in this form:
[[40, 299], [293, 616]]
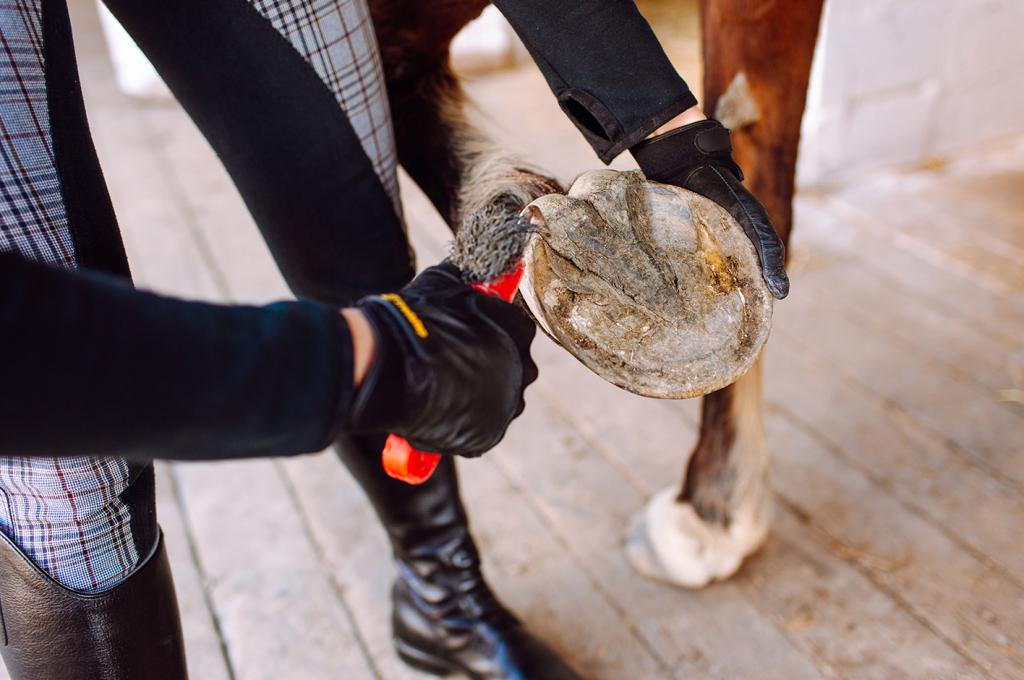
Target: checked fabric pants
[[260, 78]]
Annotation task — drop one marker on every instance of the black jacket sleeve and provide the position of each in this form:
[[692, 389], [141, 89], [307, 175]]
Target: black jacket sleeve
[[91, 366], [603, 62]]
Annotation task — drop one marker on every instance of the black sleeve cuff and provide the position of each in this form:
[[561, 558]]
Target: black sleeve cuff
[[608, 137], [605, 65]]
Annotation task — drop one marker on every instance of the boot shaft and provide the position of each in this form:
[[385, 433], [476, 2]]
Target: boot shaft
[[49, 632], [411, 514]]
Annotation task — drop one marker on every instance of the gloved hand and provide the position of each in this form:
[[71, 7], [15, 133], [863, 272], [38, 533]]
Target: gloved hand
[[450, 365], [698, 157]]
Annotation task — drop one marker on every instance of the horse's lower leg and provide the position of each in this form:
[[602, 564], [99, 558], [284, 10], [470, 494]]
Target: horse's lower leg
[[721, 514]]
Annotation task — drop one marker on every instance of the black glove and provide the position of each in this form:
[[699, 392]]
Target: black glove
[[698, 157], [450, 366]]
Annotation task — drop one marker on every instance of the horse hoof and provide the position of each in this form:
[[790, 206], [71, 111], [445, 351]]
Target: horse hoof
[[656, 289], [669, 542]]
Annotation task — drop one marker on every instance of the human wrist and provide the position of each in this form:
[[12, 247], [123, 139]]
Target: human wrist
[[379, 395], [670, 158], [690, 115], [364, 346]]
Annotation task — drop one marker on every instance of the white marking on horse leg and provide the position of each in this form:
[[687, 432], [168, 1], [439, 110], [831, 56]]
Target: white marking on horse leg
[[737, 107], [670, 542]]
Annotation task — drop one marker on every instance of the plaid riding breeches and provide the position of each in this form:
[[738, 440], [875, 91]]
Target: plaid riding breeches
[[88, 521]]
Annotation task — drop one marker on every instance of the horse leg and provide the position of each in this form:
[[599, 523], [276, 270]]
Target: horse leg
[[757, 58], [462, 172]]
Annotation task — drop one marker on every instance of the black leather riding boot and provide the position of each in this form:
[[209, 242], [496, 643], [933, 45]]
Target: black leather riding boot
[[445, 617], [48, 632]]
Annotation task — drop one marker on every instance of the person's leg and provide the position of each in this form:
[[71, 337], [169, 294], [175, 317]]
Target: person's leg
[[78, 536], [305, 81], [85, 585], [86, 522], [287, 95]]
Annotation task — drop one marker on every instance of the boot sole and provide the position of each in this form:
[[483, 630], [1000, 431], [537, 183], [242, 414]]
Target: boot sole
[[425, 661]]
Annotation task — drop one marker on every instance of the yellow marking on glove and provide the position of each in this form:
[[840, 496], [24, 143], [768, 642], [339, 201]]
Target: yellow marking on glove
[[410, 316]]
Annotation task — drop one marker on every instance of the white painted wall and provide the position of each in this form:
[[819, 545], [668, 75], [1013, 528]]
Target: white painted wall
[[900, 82]]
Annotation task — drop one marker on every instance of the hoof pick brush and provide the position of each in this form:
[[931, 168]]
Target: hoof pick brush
[[489, 254]]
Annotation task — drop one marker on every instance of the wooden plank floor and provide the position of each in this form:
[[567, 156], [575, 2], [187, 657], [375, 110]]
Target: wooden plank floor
[[895, 388]]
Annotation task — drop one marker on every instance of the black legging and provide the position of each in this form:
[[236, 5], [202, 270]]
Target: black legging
[[282, 137]]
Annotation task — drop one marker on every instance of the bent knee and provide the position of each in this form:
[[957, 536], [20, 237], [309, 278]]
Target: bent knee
[[84, 521]]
